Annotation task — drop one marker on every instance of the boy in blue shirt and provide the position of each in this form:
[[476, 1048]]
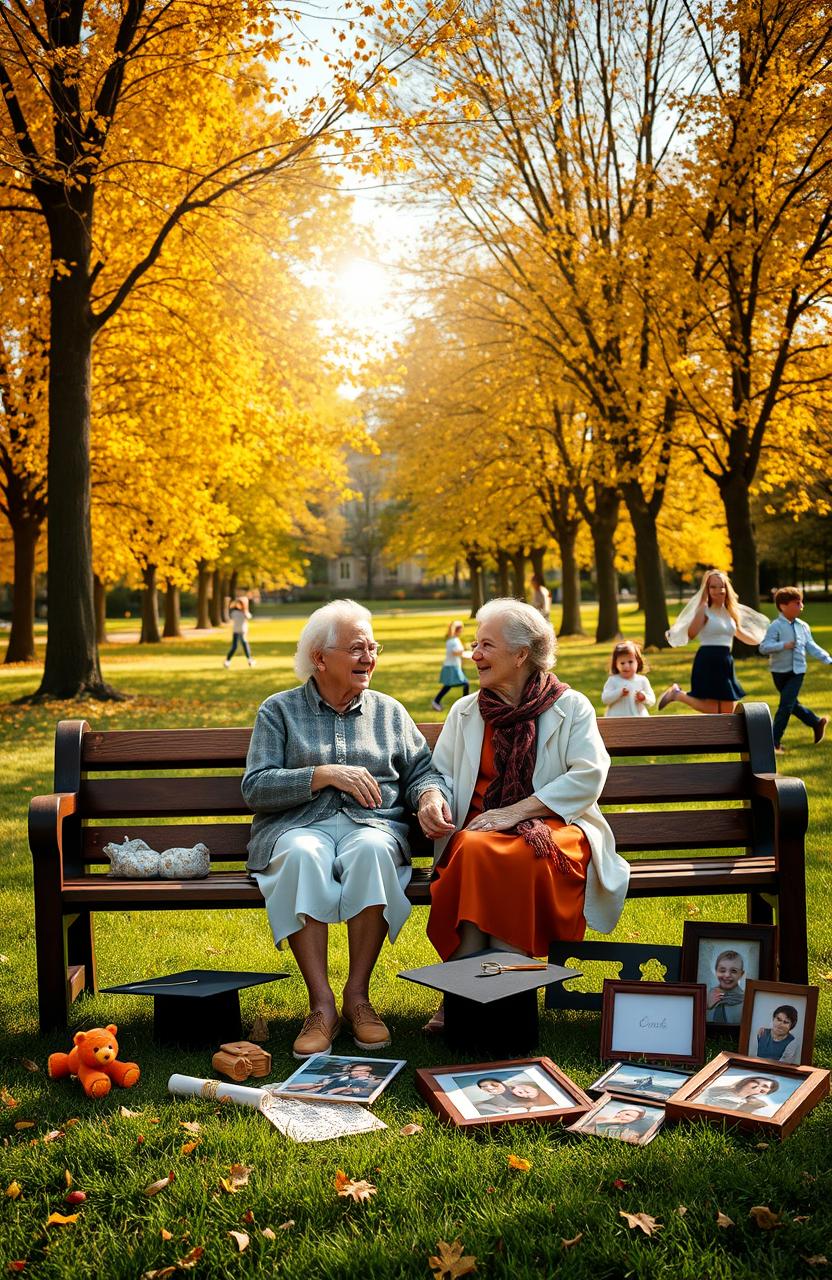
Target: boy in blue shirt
[[789, 642]]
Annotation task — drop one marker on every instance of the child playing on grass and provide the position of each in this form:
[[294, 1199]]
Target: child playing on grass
[[725, 999], [627, 691], [239, 617], [789, 641], [452, 674]]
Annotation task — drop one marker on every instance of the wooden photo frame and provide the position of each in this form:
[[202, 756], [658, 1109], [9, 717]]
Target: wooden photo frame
[[707, 944], [625, 1119], [795, 1008], [629, 1080], [654, 1021], [716, 1094], [495, 1093]]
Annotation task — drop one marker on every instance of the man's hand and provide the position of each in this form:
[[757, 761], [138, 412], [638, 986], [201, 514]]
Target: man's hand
[[434, 815], [788, 644], [353, 779]]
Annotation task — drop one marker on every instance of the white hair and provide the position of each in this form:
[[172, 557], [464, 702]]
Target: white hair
[[523, 628], [321, 632]]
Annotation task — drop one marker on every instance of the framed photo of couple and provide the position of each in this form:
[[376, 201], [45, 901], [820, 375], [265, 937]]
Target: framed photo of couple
[[494, 1093], [743, 1093]]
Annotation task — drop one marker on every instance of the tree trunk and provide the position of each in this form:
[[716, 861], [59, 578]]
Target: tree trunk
[[225, 593], [232, 585], [173, 628], [21, 646], [99, 595], [518, 574], [215, 607], [537, 555], [570, 621], [475, 575], [503, 561], [203, 615], [457, 586], [150, 608], [742, 538], [72, 668], [602, 528], [649, 566]]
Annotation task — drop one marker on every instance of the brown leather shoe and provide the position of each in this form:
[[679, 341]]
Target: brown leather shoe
[[368, 1030], [315, 1035], [820, 729]]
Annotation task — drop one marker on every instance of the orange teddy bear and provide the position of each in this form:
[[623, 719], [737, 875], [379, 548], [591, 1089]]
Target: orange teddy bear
[[93, 1061]]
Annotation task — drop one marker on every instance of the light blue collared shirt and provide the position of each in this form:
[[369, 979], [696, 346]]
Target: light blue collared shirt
[[783, 660]]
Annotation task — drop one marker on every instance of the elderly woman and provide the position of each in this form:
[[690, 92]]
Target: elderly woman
[[532, 859], [333, 772]]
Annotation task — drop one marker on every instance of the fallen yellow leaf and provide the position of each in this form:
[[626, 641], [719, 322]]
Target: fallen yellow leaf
[[722, 1219], [268, 1233], [241, 1239], [191, 1259], [192, 1126], [237, 1178], [641, 1220], [765, 1219], [6, 1097], [517, 1162], [570, 1244], [357, 1191], [188, 1147], [410, 1130], [61, 1220], [67, 1177], [13, 1190], [24, 1124], [29, 1064], [127, 1113], [53, 1135], [165, 1234], [817, 1260], [285, 1226], [449, 1262]]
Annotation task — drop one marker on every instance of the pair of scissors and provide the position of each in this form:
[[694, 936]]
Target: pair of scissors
[[491, 968]]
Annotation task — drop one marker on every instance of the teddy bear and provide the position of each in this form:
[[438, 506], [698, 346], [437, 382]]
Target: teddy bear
[[93, 1061]]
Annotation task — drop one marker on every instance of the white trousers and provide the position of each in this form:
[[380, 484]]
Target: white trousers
[[331, 871]]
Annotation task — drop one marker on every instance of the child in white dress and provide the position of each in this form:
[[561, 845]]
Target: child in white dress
[[627, 691]]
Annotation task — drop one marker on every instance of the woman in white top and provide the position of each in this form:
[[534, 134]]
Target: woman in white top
[[627, 691], [452, 674], [239, 617], [716, 616]]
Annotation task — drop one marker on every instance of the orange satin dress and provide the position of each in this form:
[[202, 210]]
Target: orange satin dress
[[493, 879]]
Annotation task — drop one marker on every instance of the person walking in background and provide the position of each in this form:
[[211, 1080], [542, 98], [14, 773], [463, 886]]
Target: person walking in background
[[240, 617], [627, 692], [788, 642], [451, 676], [541, 599], [716, 616]]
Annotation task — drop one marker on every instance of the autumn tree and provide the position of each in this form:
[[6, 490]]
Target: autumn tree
[[71, 74]]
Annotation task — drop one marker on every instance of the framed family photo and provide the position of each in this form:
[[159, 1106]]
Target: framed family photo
[[629, 1121], [629, 1080], [663, 1021], [723, 957], [744, 1093], [327, 1077], [493, 1093], [778, 1021]]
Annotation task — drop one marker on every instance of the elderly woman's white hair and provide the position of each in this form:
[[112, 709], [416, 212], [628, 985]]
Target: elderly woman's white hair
[[321, 632], [523, 628]]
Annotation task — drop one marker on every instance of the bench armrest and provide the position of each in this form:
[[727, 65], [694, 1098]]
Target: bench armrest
[[787, 797], [47, 816]]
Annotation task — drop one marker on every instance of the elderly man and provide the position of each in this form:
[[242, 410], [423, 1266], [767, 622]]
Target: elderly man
[[333, 771]]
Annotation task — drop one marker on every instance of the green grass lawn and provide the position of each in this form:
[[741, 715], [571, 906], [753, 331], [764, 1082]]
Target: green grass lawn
[[436, 1185]]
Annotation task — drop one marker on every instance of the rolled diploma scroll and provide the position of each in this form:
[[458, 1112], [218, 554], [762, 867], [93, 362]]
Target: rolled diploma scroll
[[216, 1091]]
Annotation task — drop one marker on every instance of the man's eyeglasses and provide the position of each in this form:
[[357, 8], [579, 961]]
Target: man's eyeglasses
[[366, 651]]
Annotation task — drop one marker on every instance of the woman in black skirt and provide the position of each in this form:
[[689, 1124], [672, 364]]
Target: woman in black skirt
[[716, 616]]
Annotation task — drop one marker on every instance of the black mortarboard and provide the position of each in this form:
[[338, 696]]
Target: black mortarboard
[[470, 992], [198, 1006]]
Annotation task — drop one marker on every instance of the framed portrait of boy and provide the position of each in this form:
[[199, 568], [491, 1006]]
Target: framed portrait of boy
[[744, 1093], [636, 1122], [778, 1021], [724, 957], [653, 1021], [494, 1093]]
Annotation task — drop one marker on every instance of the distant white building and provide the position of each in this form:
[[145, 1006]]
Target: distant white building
[[348, 572]]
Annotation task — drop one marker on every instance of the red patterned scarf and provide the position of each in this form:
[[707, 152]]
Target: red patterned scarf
[[514, 735]]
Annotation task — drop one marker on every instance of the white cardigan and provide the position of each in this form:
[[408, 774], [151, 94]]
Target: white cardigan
[[569, 775]]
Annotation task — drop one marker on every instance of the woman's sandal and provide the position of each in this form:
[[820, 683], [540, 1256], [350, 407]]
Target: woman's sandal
[[435, 1025]]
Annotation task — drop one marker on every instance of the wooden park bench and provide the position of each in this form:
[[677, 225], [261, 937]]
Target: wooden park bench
[[744, 835]]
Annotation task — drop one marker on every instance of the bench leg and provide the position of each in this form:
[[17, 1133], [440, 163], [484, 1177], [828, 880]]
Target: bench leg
[[50, 947], [80, 948], [791, 915]]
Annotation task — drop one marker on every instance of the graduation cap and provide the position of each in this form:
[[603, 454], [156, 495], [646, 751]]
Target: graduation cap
[[198, 1006], [491, 998]]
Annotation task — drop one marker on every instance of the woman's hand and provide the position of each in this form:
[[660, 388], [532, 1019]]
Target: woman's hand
[[496, 819], [435, 815], [353, 779]]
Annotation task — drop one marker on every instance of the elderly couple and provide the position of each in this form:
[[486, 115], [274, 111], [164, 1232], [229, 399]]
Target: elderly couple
[[510, 798]]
